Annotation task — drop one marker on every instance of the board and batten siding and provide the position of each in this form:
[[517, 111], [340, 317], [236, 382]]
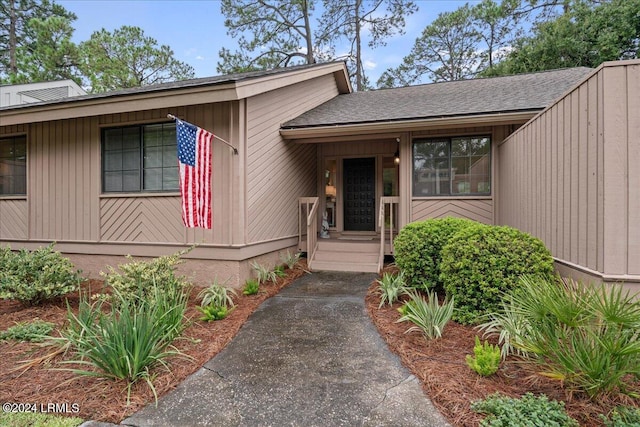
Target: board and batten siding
[[279, 171], [570, 176]]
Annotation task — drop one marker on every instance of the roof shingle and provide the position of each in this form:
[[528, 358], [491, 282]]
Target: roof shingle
[[522, 92]]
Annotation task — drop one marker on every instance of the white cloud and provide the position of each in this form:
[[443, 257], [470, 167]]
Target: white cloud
[[369, 65], [200, 58]]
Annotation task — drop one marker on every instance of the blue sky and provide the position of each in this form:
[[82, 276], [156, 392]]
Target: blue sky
[[195, 29]]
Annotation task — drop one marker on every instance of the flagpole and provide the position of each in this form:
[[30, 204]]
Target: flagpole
[[235, 150]]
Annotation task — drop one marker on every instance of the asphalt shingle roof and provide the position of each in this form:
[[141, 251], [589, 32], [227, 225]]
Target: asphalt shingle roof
[[522, 92]]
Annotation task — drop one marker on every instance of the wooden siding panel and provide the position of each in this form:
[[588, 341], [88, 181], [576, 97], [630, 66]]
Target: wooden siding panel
[[278, 171], [13, 219], [575, 170], [140, 219], [477, 210]]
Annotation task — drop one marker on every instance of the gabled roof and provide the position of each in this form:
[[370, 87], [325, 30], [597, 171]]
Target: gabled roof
[[186, 92], [518, 93]]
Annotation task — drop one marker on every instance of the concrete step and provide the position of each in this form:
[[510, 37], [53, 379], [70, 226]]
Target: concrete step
[[349, 245], [344, 266], [342, 256]]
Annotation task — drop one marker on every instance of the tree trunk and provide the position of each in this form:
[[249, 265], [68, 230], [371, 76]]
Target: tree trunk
[[13, 43], [358, 47], [307, 28]]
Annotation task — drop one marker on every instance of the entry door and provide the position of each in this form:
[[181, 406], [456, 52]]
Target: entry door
[[359, 177]]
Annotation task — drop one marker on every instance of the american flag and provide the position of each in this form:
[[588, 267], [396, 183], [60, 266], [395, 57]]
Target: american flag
[[194, 159]]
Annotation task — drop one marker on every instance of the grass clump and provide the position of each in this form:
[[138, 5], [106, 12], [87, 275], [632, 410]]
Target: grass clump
[[429, 317], [34, 277], [217, 295], [264, 275], [529, 410], [289, 259], [486, 359], [390, 287], [35, 331]]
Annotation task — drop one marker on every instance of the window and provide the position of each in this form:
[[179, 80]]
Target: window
[[452, 166], [13, 166], [139, 158]]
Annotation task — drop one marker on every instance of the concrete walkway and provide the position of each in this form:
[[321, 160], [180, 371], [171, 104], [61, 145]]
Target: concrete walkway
[[309, 356]]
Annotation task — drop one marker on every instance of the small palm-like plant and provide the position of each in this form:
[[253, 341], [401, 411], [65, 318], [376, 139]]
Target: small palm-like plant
[[428, 316], [217, 295], [390, 287]]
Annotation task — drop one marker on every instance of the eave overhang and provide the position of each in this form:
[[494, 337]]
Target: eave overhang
[[324, 133]]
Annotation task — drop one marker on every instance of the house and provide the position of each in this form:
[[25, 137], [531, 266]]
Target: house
[[97, 173], [37, 92]]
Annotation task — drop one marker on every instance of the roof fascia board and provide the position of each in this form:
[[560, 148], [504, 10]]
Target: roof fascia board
[[319, 133]]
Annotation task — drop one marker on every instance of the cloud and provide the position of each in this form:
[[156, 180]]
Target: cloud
[[369, 65], [200, 58]]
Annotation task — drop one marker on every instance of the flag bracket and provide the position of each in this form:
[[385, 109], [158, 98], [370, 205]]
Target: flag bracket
[[235, 150]]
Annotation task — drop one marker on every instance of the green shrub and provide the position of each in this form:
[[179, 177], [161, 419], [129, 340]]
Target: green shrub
[[213, 312], [527, 411], [622, 416], [418, 246], [34, 331], [140, 278], [35, 277], [587, 337], [390, 287], [251, 287], [130, 338], [481, 262], [36, 419], [217, 295], [486, 360], [428, 316]]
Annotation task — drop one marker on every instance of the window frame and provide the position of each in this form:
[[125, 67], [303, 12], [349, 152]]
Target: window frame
[[449, 140], [141, 161], [13, 139]]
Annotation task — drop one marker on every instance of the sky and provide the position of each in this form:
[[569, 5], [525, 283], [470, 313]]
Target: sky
[[195, 31]]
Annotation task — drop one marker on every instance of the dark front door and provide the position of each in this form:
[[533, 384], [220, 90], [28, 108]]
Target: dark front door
[[359, 194]]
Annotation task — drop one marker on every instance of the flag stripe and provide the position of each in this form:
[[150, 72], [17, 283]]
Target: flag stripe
[[194, 158]]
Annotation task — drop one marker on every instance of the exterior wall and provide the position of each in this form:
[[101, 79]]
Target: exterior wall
[[279, 171], [570, 176], [477, 208]]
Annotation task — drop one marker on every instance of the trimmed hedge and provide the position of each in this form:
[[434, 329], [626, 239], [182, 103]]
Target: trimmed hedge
[[417, 249], [481, 262]]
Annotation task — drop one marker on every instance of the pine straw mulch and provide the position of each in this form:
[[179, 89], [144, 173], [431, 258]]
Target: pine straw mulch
[[439, 364], [451, 385], [106, 400]]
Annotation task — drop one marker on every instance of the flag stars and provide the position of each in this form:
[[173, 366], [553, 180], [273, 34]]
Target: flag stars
[[186, 143]]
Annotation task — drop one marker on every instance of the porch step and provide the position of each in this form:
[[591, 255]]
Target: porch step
[[346, 255]]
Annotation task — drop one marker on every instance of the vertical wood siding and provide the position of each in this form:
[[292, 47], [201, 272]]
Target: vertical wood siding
[[274, 165], [570, 175]]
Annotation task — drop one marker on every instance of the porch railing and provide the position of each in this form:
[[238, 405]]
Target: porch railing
[[392, 202], [308, 225]]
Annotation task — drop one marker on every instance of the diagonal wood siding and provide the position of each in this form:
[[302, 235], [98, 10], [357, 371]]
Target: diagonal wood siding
[[13, 219], [274, 164], [570, 175], [477, 210]]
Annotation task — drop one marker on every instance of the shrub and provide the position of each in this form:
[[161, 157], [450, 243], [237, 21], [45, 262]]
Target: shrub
[[140, 278], [587, 337], [486, 360], [429, 317], [213, 312], [418, 246], [129, 339], [35, 277], [390, 287], [251, 287], [622, 416], [527, 411], [34, 331], [217, 295], [480, 263]]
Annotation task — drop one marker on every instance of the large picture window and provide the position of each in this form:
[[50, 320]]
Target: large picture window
[[13, 166], [139, 158], [452, 166]]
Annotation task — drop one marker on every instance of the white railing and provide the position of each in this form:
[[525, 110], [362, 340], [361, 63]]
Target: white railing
[[308, 223], [392, 202]]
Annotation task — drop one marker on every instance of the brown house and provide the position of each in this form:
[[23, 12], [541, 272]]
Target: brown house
[[97, 173]]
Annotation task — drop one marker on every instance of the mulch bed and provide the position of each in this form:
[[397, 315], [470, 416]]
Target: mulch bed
[[439, 364]]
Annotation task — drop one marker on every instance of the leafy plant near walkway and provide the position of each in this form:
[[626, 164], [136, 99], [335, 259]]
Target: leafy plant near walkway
[[289, 259], [131, 338], [587, 337], [213, 312], [217, 295], [33, 277], [251, 287], [527, 411], [35, 331], [429, 317], [486, 359], [264, 275], [390, 287]]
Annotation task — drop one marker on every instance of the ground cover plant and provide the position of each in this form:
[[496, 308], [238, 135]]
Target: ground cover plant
[[34, 331], [529, 410]]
